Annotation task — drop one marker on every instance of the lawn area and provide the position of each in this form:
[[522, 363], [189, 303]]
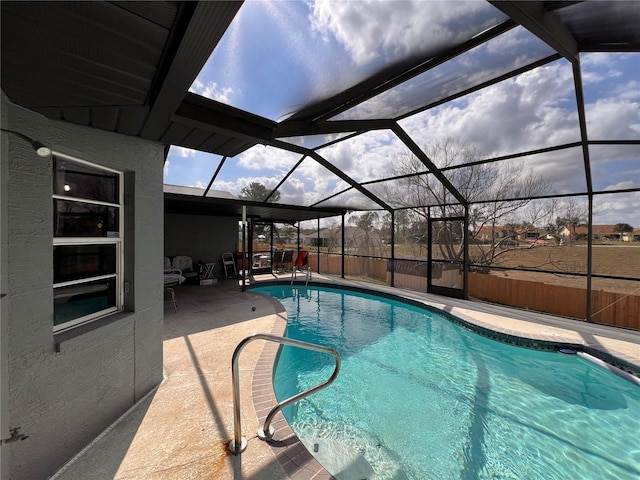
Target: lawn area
[[619, 260]]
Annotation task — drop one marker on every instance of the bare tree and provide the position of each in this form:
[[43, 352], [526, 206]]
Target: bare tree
[[498, 191]]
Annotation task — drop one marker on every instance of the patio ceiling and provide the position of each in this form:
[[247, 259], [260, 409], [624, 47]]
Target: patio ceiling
[[256, 211], [128, 67]]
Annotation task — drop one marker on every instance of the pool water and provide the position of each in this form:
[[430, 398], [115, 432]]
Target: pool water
[[420, 398]]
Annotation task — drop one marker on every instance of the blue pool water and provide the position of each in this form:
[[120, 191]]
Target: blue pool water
[[421, 398]]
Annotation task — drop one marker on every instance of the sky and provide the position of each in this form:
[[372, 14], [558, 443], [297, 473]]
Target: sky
[[279, 56]]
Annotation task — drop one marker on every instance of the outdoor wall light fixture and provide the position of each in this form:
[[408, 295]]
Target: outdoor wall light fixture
[[40, 148]]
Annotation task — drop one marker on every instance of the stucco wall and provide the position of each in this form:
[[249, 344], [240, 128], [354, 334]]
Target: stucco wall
[[202, 237], [62, 396]]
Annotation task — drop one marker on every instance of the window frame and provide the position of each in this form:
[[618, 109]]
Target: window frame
[[118, 241]]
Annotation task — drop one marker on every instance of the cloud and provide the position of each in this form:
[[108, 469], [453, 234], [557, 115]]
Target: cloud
[[235, 187], [365, 157], [530, 111], [371, 30], [627, 184], [184, 152], [612, 118], [227, 186], [617, 208], [262, 157], [212, 90], [293, 192]]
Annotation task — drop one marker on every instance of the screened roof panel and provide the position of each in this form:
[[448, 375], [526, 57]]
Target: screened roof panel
[[414, 191], [315, 141], [260, 164], [309, 184], [533, 110], [615, 167], [365, 157], [191, 168], [611, 100], [277, 57], [351, 199], [306, 62], [489, 61], [551, 173]]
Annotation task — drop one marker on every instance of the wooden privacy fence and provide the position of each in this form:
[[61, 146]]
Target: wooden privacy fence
[[619, 309], [565, 301], [609, 308], [375, 268]]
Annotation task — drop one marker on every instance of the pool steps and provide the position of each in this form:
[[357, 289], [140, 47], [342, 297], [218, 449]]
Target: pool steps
[[239, 443]]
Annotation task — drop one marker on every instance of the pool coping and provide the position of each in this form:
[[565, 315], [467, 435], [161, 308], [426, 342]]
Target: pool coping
[[295, 459], [293, 456]]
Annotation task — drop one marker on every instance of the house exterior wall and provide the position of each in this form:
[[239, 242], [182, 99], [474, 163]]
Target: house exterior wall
[[62, 390], [202, 237]]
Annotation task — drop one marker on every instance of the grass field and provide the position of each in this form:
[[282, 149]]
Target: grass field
[[622, 261], [607, 260]]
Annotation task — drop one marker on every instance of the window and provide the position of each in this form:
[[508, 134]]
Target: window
[[87, 241]]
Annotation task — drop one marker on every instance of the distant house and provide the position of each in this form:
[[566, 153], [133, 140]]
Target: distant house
[[604, 232], [487, 233], [326, 238], [531, 234]]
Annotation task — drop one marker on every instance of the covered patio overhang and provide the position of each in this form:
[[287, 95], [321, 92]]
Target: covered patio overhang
[[252, 210]]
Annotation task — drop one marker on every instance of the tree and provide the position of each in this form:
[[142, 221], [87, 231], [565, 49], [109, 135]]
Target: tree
[[499, 191], [259, 193], [366, 224], [402, 220], [284, 233], [574, 216], [622, 228]]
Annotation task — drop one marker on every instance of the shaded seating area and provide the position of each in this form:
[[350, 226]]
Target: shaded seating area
[[184, 264]]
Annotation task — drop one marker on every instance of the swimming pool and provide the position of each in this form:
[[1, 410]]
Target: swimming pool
[[419, 397]]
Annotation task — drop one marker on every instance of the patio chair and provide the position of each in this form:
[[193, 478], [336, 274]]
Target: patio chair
[[172, 277], [287, 260], [276, 260], [184, 263], [302, 264], [229, 265]]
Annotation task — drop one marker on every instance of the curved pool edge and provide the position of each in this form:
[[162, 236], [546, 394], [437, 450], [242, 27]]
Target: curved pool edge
[[537, 341], [293, 456], [291, 453]]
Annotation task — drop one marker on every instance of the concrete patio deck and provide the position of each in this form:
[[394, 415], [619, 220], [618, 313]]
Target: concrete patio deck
[[181, 429]]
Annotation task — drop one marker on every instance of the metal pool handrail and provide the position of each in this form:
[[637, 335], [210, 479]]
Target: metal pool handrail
[[239, 443], [294, 275]]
